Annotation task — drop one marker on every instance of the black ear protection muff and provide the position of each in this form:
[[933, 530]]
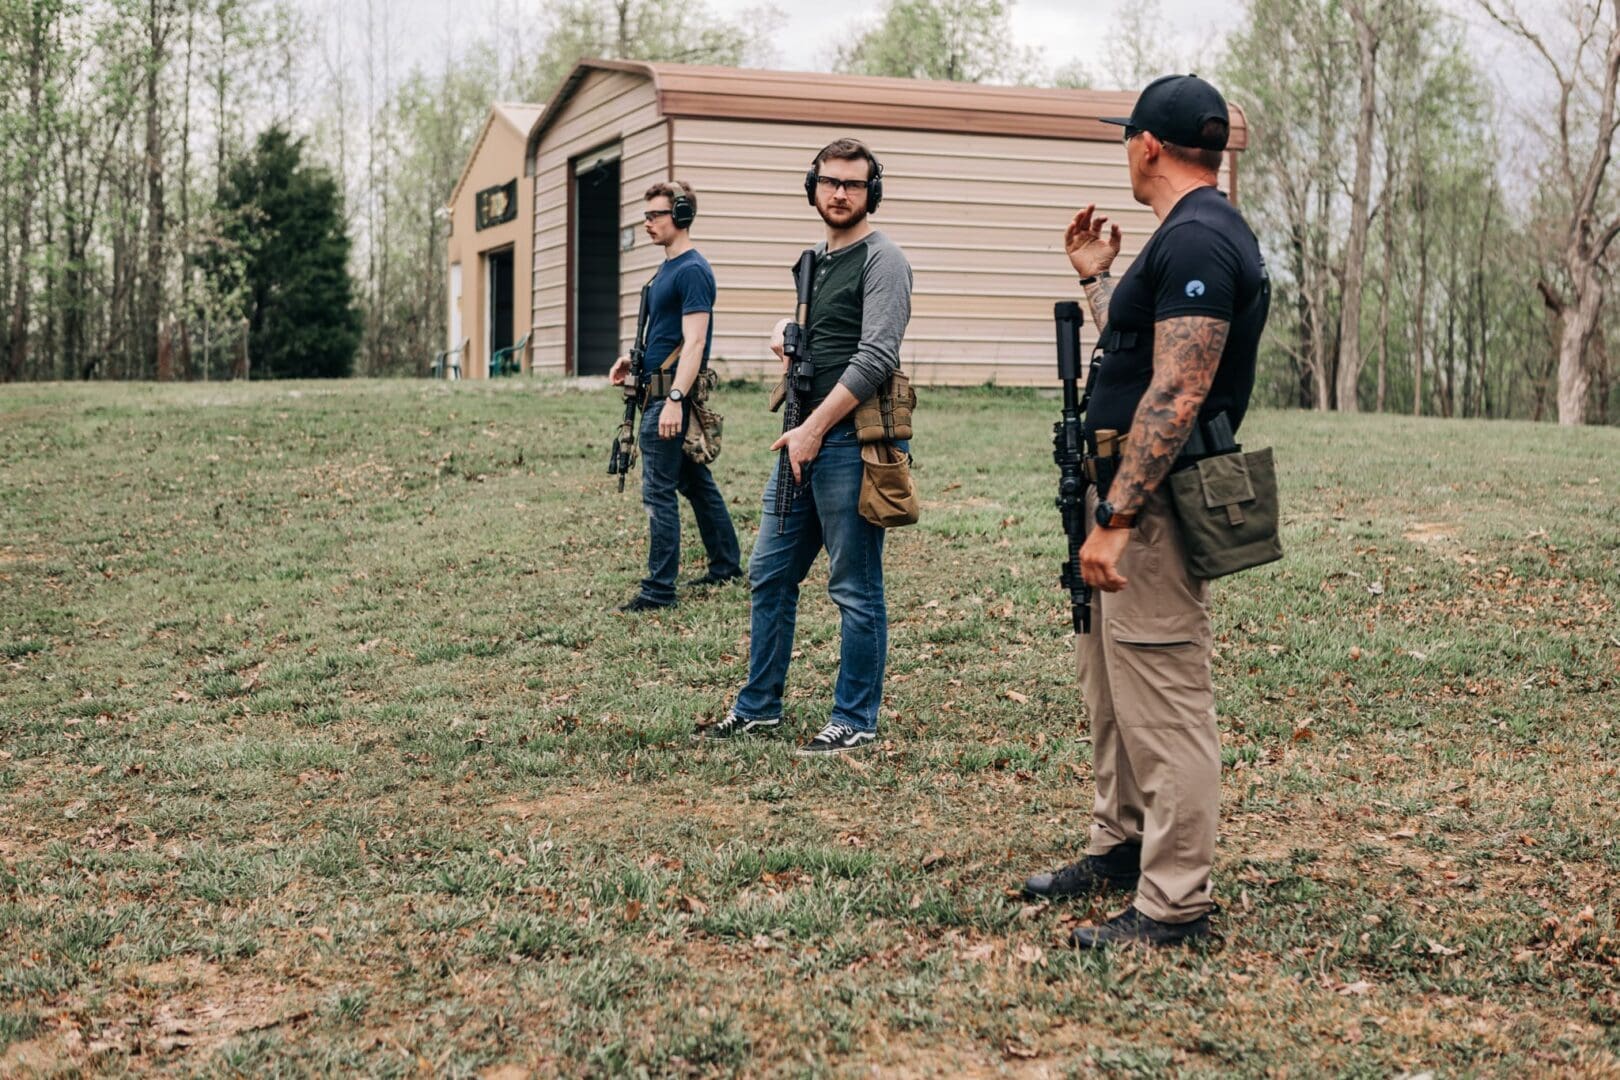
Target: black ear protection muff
[[681, 210], [874, 186]]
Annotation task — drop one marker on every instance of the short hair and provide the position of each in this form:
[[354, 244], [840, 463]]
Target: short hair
[[848, 150], [669, 188], [1214, 131]]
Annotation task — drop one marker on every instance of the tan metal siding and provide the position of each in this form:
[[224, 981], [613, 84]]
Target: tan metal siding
[[496, 159], [980, 217], [609, 108]]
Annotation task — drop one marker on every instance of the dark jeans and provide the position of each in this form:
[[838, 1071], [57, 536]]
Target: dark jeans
[[827, 516], [666, 470]]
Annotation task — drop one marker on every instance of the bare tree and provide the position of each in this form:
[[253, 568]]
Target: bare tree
[[1586, 121]]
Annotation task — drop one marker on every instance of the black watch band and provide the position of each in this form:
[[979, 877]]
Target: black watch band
[[676, 396], [1094, 278]]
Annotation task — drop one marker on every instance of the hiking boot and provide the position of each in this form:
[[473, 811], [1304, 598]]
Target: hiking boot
[[640, 604], [733, 726], [1134, 928], [1117, 869], [711, 579], [836, 738]]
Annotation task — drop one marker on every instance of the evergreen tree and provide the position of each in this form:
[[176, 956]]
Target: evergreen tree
[[287, 220]]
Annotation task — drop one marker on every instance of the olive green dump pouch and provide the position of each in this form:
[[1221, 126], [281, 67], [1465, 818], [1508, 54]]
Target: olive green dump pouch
[[1227, 506], [886, 415]]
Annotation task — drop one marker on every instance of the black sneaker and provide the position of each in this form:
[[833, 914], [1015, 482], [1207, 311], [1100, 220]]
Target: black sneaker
[[733, 726], [641, 603], [1117, 869], [1134, 928], [836, 739], [711, 579]]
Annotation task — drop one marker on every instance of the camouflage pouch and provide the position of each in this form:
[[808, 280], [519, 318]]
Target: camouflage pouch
[[1227, 507], [701, 443], [886, 415]]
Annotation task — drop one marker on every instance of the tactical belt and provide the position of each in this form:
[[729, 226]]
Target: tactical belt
[[1207, 439]]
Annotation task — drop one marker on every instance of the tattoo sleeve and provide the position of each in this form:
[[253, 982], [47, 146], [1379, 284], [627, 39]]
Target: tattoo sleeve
[[1099, 293], [1186, 352]]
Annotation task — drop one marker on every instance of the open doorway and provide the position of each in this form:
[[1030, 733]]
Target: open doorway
[[498, 283], [596, 264]]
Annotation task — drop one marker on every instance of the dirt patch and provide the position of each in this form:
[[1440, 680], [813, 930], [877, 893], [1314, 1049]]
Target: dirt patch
[[1430, 532]]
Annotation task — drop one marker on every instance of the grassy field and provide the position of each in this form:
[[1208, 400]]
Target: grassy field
[[321, 751]]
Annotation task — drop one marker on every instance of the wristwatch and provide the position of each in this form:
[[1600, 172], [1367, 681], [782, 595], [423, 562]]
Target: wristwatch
[[1094, 278], [676, 396], [1109, 518]]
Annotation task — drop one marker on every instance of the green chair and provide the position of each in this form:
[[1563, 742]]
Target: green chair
[[447, 364], [508, 361]]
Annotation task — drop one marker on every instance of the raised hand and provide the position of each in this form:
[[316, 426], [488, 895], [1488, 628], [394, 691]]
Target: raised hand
[[1089, 251]]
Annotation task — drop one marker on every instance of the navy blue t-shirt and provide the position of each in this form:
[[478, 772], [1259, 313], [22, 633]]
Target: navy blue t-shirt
[[682, 286], [1202, 260]]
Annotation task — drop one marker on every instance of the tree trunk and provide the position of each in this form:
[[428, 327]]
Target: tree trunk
[[17, 335], [1350, 359], [152, 298], [1575, 335]]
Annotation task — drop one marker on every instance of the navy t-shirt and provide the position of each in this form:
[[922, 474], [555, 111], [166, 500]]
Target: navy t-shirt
[[1202, 260], [682, 286]]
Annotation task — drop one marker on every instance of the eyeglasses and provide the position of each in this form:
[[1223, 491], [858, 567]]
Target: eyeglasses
[[830, 183], [1132, 132], [650, 216]]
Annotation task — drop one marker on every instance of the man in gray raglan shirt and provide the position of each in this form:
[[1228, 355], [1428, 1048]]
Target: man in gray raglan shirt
[[859, 308]]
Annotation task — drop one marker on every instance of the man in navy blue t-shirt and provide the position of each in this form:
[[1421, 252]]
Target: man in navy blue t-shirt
[[680, 328]]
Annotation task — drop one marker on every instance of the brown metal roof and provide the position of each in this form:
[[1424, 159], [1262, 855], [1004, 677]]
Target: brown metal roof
[[809, 97]]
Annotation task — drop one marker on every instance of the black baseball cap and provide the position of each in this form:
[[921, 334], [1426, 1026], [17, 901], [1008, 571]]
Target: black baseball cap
[[1176, 108]]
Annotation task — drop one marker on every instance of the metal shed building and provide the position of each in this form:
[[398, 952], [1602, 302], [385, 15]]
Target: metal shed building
[[490, 246], [980, 182]]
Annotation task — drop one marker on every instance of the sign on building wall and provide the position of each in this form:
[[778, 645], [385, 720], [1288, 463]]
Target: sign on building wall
[[497, 204]]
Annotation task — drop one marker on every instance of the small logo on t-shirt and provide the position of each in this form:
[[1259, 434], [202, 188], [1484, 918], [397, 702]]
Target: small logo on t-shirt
[[1195, 287]]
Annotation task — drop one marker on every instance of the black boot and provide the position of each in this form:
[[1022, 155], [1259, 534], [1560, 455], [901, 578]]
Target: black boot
[[1117, 869], [1134, 928]]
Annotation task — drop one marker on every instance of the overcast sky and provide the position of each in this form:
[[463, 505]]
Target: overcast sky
[[1059, 30]]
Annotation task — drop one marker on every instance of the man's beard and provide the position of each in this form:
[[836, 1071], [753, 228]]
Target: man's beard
[[855, 217]]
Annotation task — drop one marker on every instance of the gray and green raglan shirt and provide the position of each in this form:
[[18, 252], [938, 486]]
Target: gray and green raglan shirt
[[859, 308]]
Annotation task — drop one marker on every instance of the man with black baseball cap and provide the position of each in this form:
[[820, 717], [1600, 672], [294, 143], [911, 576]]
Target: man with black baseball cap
[[1179, 336]]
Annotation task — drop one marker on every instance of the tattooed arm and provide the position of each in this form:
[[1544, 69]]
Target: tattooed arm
[[1186, 352], [1099, 293]]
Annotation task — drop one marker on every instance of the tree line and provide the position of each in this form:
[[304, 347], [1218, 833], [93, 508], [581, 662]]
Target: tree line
[[203, 188]]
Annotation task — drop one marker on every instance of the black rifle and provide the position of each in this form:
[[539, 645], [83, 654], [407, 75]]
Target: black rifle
[[796, 385], [622, 455], [1068, 451]]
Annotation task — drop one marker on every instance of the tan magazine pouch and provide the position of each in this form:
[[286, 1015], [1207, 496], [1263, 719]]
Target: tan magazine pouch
[[886, 415]]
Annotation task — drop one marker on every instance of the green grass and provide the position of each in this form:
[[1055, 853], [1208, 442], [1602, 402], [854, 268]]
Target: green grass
[[321, 751]]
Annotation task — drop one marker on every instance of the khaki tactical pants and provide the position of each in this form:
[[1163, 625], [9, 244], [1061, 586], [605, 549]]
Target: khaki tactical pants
[[1145, 672]]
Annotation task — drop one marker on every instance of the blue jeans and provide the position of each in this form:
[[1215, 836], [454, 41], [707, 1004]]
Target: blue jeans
[[666, 471], [826, 515]]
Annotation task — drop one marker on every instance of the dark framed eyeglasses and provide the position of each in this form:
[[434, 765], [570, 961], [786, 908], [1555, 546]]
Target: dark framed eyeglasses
[[830, 183], [650, 216], [1132, 132]]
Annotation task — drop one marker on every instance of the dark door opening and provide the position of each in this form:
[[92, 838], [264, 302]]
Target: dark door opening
[[502, 303], [596, 268]]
